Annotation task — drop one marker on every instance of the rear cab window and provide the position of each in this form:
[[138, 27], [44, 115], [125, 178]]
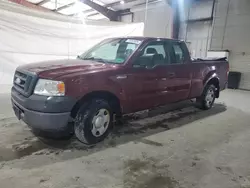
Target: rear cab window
[[178, 52]]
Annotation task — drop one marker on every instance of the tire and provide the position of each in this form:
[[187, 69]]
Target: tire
[[89, 119], [206, 100]]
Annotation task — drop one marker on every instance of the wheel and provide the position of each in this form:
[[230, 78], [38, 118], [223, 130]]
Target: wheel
[[207, 98], [93, 121]]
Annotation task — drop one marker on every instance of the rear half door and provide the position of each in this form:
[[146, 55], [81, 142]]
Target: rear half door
[[179, 72]]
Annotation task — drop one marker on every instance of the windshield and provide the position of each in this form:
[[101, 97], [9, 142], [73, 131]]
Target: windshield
[[112, 51]]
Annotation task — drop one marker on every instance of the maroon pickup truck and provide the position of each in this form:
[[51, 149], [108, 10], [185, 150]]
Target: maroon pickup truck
[[117, 76]]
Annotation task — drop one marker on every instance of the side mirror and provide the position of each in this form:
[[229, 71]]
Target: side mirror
[[145, 61]]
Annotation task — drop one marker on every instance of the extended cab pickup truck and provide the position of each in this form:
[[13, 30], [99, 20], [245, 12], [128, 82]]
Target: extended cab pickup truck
[[117, 76]]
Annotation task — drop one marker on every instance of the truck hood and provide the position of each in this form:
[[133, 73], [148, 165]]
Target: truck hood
[[53, 69]]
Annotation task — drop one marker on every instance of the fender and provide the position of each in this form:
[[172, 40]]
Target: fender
[[212, 76], [209, 77]]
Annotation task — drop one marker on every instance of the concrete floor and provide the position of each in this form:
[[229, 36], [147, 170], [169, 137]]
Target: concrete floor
[[183, 148]]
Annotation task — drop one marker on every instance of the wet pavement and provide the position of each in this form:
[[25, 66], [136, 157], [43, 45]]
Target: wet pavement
[[174, 146], [132, 128]]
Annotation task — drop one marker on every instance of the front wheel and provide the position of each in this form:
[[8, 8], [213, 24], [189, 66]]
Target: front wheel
[[206, 100], [93, 121]]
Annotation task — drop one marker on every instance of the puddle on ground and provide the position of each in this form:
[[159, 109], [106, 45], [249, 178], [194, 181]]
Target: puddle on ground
[[40, 146], [136, 128], [21, 150], [147, 173], [127, 131]]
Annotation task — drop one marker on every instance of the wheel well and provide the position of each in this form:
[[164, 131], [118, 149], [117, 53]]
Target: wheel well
[[112, 99], [216, 83]]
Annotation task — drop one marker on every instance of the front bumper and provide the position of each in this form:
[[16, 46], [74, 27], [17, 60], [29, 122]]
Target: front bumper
[[41, 112]]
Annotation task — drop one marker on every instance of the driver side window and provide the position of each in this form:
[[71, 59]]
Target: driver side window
[[153, 54]]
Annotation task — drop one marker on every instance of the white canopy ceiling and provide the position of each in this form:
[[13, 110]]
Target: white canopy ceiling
[[77, 8]]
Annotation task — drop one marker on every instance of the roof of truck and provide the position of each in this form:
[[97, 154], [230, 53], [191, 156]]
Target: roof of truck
[[145, 38]]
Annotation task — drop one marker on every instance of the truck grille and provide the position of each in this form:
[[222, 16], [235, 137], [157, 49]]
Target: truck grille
[[24, 83]]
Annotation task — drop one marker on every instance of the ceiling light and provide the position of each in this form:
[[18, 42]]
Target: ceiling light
[[122, 2]]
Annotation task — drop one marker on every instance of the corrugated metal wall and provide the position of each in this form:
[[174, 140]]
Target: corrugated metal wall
[[198, 35], [231, 31], [158, 21], [196, 27], [127, 18]]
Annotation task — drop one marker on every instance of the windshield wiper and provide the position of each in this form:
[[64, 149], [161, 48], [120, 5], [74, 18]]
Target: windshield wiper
[[80, 57], [96, 59]]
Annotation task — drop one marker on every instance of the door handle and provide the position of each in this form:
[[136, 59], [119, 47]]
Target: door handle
[[171, 74], [121, 77]]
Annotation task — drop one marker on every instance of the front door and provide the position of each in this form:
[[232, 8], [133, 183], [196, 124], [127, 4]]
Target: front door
[[148, 77]]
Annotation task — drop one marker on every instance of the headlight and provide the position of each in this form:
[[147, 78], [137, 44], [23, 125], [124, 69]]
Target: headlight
[[49, 88]]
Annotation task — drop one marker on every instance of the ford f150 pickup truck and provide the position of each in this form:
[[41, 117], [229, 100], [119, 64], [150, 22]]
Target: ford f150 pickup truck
[[117, 76]]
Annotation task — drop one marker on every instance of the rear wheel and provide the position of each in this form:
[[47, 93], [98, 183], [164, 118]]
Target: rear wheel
[[207, 98], [93, 121]]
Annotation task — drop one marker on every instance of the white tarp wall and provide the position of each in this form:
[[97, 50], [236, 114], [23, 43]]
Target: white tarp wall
[[32, 38]]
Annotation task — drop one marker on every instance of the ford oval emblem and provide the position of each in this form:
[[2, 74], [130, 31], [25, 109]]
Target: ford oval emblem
[[18, 80]]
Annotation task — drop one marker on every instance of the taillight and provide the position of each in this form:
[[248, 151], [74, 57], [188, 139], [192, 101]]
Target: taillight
[[227, 70]]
